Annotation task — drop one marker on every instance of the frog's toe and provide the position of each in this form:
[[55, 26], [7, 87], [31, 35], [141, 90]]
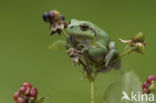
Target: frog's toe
[[112, 59], [117, 64]]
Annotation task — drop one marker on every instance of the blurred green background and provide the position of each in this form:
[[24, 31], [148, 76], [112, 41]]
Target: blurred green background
[[24, 40]]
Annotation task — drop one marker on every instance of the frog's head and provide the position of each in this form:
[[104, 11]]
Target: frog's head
[[81, 30]]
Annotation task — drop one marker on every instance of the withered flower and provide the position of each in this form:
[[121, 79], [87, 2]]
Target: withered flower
[[137, 44], [74, 54], [56, 20]]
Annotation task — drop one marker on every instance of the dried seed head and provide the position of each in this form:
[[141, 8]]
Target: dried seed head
[[45, 16], [137, 44], [139, 47], [74, 55], [56, 20], [139, 37], [52, 14], [63, 17]]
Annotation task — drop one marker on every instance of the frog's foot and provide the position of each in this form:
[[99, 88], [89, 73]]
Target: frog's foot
[[74, 55], [85, 49], [112, 59]]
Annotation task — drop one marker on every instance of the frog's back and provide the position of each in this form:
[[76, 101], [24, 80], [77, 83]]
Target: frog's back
[[102, 36]]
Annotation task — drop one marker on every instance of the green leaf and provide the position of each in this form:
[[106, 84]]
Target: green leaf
[[129, 82], [58, 45], [40, 100]]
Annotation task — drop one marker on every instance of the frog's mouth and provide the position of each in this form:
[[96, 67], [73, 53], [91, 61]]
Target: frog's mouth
[[81, 39], [80, 36], [85, 35]]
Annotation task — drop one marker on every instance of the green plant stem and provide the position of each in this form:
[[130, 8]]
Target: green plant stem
[[92, 91], [123, 54], [127, 52], [65, 33]]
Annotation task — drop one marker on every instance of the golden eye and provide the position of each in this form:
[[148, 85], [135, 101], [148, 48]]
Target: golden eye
[[84, 27]]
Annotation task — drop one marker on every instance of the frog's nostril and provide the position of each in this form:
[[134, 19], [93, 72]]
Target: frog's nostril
[[71, 27]]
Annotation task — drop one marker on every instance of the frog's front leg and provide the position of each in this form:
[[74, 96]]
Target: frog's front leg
[[69, 43], [96, 52], [112, 58], [85, 48]]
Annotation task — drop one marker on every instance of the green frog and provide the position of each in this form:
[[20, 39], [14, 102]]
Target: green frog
[[97, 51]]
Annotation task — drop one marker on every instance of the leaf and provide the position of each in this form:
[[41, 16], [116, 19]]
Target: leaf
[[43, 99], [117, 92], [57, 45], [40, 100]]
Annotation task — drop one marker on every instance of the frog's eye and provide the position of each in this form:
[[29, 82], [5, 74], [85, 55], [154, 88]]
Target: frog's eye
[[84, 27]]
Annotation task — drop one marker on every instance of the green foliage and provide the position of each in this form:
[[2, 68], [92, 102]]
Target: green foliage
[[129, 82], [40, 100], [57, 45]]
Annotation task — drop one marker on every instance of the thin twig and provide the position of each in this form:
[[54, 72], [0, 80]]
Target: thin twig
[[92, 91]]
